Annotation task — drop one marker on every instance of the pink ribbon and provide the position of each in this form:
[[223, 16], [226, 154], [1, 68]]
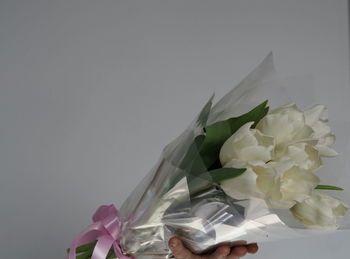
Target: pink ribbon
[[105, 229]]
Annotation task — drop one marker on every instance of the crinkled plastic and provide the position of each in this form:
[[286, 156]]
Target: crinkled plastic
[[163, 205]]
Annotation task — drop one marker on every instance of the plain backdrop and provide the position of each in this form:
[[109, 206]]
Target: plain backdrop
[[91, 91]]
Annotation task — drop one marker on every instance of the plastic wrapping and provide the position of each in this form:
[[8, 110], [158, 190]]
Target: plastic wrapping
[[174, 200]]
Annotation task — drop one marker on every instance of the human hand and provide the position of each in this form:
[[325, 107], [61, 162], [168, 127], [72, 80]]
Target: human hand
[[222, 252]]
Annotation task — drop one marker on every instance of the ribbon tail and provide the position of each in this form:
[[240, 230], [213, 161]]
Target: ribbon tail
[[103, 245]]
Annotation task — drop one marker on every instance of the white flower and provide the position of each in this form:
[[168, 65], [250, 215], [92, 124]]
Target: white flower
[[285, 124], [320, 211], [283, 183], [247, 144], [316, 118], [288, 124], [243, 186]]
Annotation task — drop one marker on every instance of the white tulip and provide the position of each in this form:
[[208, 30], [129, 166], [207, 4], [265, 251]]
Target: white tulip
[[288, 124], [317, 118], [283, 183], [243, 186], [247, 144], [320, 211], [285, 124]]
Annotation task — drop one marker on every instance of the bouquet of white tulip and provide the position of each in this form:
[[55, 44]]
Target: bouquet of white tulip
[[281, 156], [239, 172]]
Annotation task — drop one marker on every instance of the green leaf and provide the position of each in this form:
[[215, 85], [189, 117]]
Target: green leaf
[[219, 132], [329, 187], [111, 254], [222, 174], [84, 248]]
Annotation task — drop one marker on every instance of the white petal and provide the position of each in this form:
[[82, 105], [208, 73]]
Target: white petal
[[243, 131], [268, 182], [297, 153], [242, 187], [316, 113], [264, 140], [305, 132], [304, 155], [320, 129], [316, 117], [266, 179], [256, 153], [247, 144], [294, 113], [277, 126], [326, 151], [283, 183], [283, 123], [298, 184], [233, 144]]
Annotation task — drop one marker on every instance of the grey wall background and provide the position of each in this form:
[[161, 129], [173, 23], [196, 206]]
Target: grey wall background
[[90, 92]]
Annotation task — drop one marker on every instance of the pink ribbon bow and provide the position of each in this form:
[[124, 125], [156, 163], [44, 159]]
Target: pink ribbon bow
[[105, 229]]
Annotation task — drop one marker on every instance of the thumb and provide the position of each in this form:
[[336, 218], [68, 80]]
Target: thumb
[[178, 249]]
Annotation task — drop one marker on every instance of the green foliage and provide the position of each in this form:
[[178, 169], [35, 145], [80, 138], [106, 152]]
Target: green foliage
[[201, 161], [222, 174], [329, 187]]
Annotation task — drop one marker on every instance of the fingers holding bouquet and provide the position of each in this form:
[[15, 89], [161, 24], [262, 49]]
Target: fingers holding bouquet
[[222, 252]]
